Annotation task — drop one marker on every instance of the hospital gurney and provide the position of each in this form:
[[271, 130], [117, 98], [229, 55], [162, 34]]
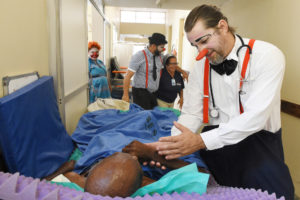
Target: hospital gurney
[[44, 151]]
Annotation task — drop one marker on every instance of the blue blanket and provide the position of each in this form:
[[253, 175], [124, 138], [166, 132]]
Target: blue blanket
[[101, 133]]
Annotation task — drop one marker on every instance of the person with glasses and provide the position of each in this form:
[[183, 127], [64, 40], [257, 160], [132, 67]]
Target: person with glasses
[[235, 92], [170, 85], [145, 65]]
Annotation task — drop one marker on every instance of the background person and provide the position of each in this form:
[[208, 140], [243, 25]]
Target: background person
[[99, 86], [145, 65], [170, 84]]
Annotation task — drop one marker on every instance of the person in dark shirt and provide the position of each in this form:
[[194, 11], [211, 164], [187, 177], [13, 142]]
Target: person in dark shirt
[[171, 83]]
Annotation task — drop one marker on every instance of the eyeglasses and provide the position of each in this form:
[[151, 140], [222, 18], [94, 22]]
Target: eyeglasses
[[203, 39]]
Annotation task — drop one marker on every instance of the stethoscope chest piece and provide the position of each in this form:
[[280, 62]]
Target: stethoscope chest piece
[[241, 92], [214, 113]]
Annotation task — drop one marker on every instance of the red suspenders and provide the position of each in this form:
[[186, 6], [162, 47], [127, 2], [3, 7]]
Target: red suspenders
[[206, 91], [244, 69], [206, 82], [147, 66]]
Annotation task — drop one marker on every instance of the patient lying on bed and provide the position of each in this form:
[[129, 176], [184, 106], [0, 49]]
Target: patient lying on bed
[[119, 174]]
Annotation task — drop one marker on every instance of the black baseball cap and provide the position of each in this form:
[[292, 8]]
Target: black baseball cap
[[157, 39]]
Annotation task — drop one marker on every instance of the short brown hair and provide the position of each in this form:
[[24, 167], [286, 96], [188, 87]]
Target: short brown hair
[[211, 15]]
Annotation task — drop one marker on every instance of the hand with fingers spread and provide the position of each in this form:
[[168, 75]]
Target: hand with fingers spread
[[181, 145]]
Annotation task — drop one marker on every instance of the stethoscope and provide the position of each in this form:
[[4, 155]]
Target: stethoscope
[[214, 111]]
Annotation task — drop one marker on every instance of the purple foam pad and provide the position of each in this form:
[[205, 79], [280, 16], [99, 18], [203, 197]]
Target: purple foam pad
[[16, 187]]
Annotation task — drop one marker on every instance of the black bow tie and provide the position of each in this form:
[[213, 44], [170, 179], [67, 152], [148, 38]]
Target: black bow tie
[[227, 66]]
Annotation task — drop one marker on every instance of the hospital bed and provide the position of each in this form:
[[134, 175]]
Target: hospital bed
[[34, 144]]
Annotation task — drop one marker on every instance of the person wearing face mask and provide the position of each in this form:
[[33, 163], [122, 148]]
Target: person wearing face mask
[[235, 92], [99, 86], [145, 65]]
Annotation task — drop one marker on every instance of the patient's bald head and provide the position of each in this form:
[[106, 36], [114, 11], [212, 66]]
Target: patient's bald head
[[116, 175]]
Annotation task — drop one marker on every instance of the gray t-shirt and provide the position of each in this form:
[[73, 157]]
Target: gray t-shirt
[[138, 65]]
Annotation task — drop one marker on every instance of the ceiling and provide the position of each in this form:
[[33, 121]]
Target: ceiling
[[163, 4]]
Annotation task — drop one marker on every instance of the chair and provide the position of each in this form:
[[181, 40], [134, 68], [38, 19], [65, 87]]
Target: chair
[[116, 71], [117, 74]]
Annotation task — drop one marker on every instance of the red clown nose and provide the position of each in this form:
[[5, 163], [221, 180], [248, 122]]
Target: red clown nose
[[201, 54], [164, 49]]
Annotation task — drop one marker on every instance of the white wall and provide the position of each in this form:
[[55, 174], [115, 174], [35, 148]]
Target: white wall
[[113, 15], [97, 27], [74, 66], [188, 52], [124, 51], [23, 38]]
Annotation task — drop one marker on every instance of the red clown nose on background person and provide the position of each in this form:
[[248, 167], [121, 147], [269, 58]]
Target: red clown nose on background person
[[93, 50]]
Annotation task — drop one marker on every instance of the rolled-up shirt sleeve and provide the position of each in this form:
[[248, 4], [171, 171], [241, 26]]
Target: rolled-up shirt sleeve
[[137, 60]]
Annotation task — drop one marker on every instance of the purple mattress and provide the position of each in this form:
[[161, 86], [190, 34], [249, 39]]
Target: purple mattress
[[15, 187]]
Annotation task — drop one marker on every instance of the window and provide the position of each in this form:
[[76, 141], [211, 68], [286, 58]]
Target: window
[[128, 16], [131, 16], [157, 18], [142, 17]]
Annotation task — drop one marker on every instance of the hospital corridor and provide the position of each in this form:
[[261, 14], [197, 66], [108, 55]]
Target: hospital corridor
[[149, 99]]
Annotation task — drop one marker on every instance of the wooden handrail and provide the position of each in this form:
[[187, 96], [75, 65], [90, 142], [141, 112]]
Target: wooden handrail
[[290, 108]]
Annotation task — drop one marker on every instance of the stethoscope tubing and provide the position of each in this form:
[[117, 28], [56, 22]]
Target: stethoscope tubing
[[237, 53]]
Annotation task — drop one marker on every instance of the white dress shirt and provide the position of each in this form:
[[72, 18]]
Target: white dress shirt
[[261, 100]]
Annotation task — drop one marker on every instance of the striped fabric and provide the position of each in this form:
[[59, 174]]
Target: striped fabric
[[138, 65]]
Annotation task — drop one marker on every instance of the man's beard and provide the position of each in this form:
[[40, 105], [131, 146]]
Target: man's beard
[[156, 52], [217, 59]]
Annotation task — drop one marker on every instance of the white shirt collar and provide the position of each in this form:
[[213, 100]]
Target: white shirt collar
[[232, 54]]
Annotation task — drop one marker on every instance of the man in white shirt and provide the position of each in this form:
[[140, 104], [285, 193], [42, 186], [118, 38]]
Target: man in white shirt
[[242, 145]]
